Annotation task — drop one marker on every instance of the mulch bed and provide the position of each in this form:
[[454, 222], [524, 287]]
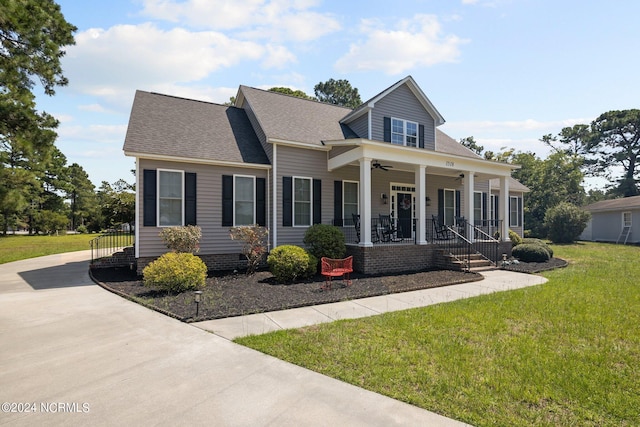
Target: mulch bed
[[236, 294]]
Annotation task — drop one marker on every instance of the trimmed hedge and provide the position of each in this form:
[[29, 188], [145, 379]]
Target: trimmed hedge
[[325, 240], [539, 242], [531, 252], [289, 263], [175, 272]]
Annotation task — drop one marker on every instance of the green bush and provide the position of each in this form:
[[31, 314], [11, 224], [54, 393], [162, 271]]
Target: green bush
[[531, 252], [565, 222], [175, 272], [182, 239], [539, 242], [515, 238], [325, 240], [82, 229], [289, 263]]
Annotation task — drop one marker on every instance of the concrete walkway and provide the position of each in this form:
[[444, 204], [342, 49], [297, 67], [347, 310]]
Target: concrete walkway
[[79, 355], [255, 324]]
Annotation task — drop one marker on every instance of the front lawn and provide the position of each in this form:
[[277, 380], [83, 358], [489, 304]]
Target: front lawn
[[564, 353], [18, 247]]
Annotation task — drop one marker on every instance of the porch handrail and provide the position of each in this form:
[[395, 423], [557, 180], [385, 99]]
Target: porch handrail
[[111, 242], [486, 245], [460, 253]]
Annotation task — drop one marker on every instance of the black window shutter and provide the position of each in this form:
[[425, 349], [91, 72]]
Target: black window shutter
[[149, 197], [519, 211], [441, 205], [421, 136], [387, 129], [484, 206], [261, 206], [496, 213], [510, 212], [317, 201], [227, 200], [458, 203], [337, 203], [190, 198], [287, 201]]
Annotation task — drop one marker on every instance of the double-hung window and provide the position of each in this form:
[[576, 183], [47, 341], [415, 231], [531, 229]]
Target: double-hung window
[[404, 132], [350, 197], [170, 198], [302, 198], [514, 211], [626, 219], [449, 208], [244, 200], [478, 209]]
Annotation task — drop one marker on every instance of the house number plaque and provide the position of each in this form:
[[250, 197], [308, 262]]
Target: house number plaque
[[450, 164]]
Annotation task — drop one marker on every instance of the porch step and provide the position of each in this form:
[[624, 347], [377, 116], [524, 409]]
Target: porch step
[[451, 262]]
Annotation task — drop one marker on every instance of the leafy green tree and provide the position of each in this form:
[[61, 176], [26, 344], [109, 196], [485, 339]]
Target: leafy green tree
[[81, 194], [117, 203], [33, 34], [288, 91], [472, 145], [565, 222], [338, 92]]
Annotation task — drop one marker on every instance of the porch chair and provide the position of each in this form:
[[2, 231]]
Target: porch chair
[[442, 231], [387, 228], [374, 230], [336, 268]]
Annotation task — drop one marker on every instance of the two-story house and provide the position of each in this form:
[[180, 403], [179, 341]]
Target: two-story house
[[383, 172]]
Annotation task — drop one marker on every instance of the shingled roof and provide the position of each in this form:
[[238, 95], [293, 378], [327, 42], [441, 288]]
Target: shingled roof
[[290, 118], [164, 125], [614, 204]]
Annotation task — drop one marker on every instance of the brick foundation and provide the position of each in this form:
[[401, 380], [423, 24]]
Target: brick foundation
[[391, 258]]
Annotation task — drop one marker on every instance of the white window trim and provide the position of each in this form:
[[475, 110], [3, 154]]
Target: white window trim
[[404, 131], [357, 183], [293, 200], [235, 224], [624, 222], [517, 216], [159, 171], [444, 200], [478, 206]]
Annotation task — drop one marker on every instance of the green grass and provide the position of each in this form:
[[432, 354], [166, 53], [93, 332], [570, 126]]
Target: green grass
[[17, 247], [565, 353]]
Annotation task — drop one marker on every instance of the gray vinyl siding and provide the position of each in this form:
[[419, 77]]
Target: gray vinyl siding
[[402, 104], [361, 126], [336, 151], [215, 237], [606, 226], [268, 149]]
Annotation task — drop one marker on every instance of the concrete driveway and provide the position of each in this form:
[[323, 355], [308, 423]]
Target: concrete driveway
[[72, 353]]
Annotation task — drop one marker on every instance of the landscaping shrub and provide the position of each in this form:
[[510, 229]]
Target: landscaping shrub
[[289, 263], [325, 240], [531, 252], [82, 229], [175, 272], [254, 247], [539, 242], [182, 239], [515, 238], [565, 222]]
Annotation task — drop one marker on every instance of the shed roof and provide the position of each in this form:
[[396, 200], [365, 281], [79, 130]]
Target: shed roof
[[170, 126], [614, 204]]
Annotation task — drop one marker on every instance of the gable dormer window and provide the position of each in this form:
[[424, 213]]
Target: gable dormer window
[[404, 132]]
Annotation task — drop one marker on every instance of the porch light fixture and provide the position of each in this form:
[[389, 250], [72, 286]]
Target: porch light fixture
[[197, 296], [383, 197]]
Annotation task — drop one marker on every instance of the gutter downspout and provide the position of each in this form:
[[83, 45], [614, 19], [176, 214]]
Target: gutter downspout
[[274, 231]]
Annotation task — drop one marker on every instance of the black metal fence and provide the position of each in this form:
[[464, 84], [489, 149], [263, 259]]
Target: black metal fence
[[111, 242]]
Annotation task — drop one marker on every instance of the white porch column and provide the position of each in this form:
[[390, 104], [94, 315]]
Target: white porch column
[[365, 202], [421, 201], [504, 207], [468, 200]]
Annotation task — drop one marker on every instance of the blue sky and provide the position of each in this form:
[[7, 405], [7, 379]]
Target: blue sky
[[504, 71]]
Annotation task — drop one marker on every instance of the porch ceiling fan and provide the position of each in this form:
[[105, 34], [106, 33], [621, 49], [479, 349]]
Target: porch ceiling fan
[[377, 165]]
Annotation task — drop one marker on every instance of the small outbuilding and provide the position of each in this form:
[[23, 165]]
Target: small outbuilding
[[616, 220]]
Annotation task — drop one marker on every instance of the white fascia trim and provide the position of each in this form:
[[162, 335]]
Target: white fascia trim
[[166, 158], [306, 145]]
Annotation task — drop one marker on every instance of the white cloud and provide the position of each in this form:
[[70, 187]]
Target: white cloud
[[93, 108], [104, 134], [412, 43], [278, 57], [276, 20]]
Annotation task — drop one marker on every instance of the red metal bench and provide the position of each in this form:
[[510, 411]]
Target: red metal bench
[[336, 268]]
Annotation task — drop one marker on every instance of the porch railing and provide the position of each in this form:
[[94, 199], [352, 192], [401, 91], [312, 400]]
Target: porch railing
[[384, 231], [456, 245], [111, 242], [484, 241]]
